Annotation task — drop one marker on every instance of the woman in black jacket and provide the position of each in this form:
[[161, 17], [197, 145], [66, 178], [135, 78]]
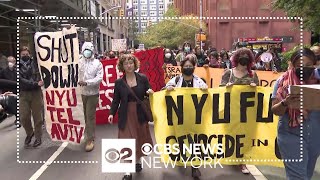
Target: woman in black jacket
[[132, 125]]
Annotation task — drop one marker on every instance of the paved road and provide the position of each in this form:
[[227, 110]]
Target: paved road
[[12, 170]]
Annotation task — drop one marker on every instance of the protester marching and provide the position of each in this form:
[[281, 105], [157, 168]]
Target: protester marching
[[240, 102]]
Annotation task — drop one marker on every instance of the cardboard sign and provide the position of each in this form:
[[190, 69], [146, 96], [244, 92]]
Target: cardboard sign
[[119, 44], [311, 96]]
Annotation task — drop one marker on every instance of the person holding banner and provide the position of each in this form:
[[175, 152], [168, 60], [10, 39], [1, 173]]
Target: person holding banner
[[241, 74], [188, 79], [129, 92], [30, 97], [90, 77], [291, 144]]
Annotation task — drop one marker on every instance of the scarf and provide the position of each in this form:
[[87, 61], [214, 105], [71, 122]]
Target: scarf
[[289, 78]]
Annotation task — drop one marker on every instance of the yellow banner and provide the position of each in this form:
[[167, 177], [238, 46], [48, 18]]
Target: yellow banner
[[238, 118], [212, 76]]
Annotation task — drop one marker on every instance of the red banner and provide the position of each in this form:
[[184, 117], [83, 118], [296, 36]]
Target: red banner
[[151, 62]]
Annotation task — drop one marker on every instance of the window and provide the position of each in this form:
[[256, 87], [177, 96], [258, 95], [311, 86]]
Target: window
[[144, 13], [98, 42], [144, 8], [161, 7], [153, 7], [97, 9], [152, 2], [153, 13], [111, 22], [104, 42], [160, 13], [107, 19], [136, 13], [135, 1], [103, 15], [143, 2], [160, 1]]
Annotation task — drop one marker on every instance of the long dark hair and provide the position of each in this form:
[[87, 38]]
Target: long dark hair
[[305, 52]]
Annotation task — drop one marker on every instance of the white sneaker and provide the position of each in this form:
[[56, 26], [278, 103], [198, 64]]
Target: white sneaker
[[244, 169]]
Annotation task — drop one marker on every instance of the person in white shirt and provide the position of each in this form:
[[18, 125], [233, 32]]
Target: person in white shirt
[[90, 77]]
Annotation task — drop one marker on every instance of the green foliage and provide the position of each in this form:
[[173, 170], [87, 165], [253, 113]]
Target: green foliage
[[307, 9], [171, 32], [287, 55]]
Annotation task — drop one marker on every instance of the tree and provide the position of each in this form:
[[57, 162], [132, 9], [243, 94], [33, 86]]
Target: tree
[[307, 9], [172, 32]]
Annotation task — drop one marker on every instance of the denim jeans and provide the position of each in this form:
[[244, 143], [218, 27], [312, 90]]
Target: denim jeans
[[291, 148]]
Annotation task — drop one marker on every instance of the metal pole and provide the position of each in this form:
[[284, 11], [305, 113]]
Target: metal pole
[[200, 25], [132, 25]]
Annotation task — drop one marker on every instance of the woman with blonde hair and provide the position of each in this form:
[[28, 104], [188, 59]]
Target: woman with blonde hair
[[129, 92]]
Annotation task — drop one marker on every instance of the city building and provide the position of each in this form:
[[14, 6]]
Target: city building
[[99, 31], [110, 28], [224, 33], [146, 12]]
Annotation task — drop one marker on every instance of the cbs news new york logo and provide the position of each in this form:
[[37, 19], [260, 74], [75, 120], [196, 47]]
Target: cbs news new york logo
[[118, 155]]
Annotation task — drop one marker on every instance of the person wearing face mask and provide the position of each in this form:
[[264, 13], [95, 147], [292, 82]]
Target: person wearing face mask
[[30, 97], [241, 74], [201, 58], [189, 80], [10, 73], [290, 142], [90, 77], [169, 58], [186, 49]]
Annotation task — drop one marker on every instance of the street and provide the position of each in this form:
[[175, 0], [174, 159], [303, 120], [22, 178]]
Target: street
[[91, 170]]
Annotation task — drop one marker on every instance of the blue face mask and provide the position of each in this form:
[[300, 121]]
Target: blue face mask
[[187, 49], [87, 53]]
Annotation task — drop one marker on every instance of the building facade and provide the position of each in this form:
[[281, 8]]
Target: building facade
[[109, 28], [99, 31], [224, 32], [146, 12]]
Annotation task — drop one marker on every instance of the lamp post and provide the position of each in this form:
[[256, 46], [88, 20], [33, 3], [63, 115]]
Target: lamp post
[[200, 25]]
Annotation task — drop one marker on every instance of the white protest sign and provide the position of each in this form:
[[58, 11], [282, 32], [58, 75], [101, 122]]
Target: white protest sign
[[58, 60], [119, 44]]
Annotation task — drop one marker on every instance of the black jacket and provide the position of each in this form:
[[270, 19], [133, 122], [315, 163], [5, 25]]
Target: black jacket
[[10, 75], [29, 76], [121, 93]]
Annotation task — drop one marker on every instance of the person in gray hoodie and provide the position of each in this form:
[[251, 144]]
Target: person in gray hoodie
[[90, 77]]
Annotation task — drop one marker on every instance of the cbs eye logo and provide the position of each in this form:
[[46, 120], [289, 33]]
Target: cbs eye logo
[[114, 156]]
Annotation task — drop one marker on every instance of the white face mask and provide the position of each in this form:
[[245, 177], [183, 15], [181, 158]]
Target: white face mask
[[10, 64], [87, 53], [168, 55]]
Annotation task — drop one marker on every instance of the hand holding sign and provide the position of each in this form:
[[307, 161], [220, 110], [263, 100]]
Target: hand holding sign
[[170, 88], [82, 83], [292, 100], [253, 84], [40, 83], [150, 91], [110, 119]]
